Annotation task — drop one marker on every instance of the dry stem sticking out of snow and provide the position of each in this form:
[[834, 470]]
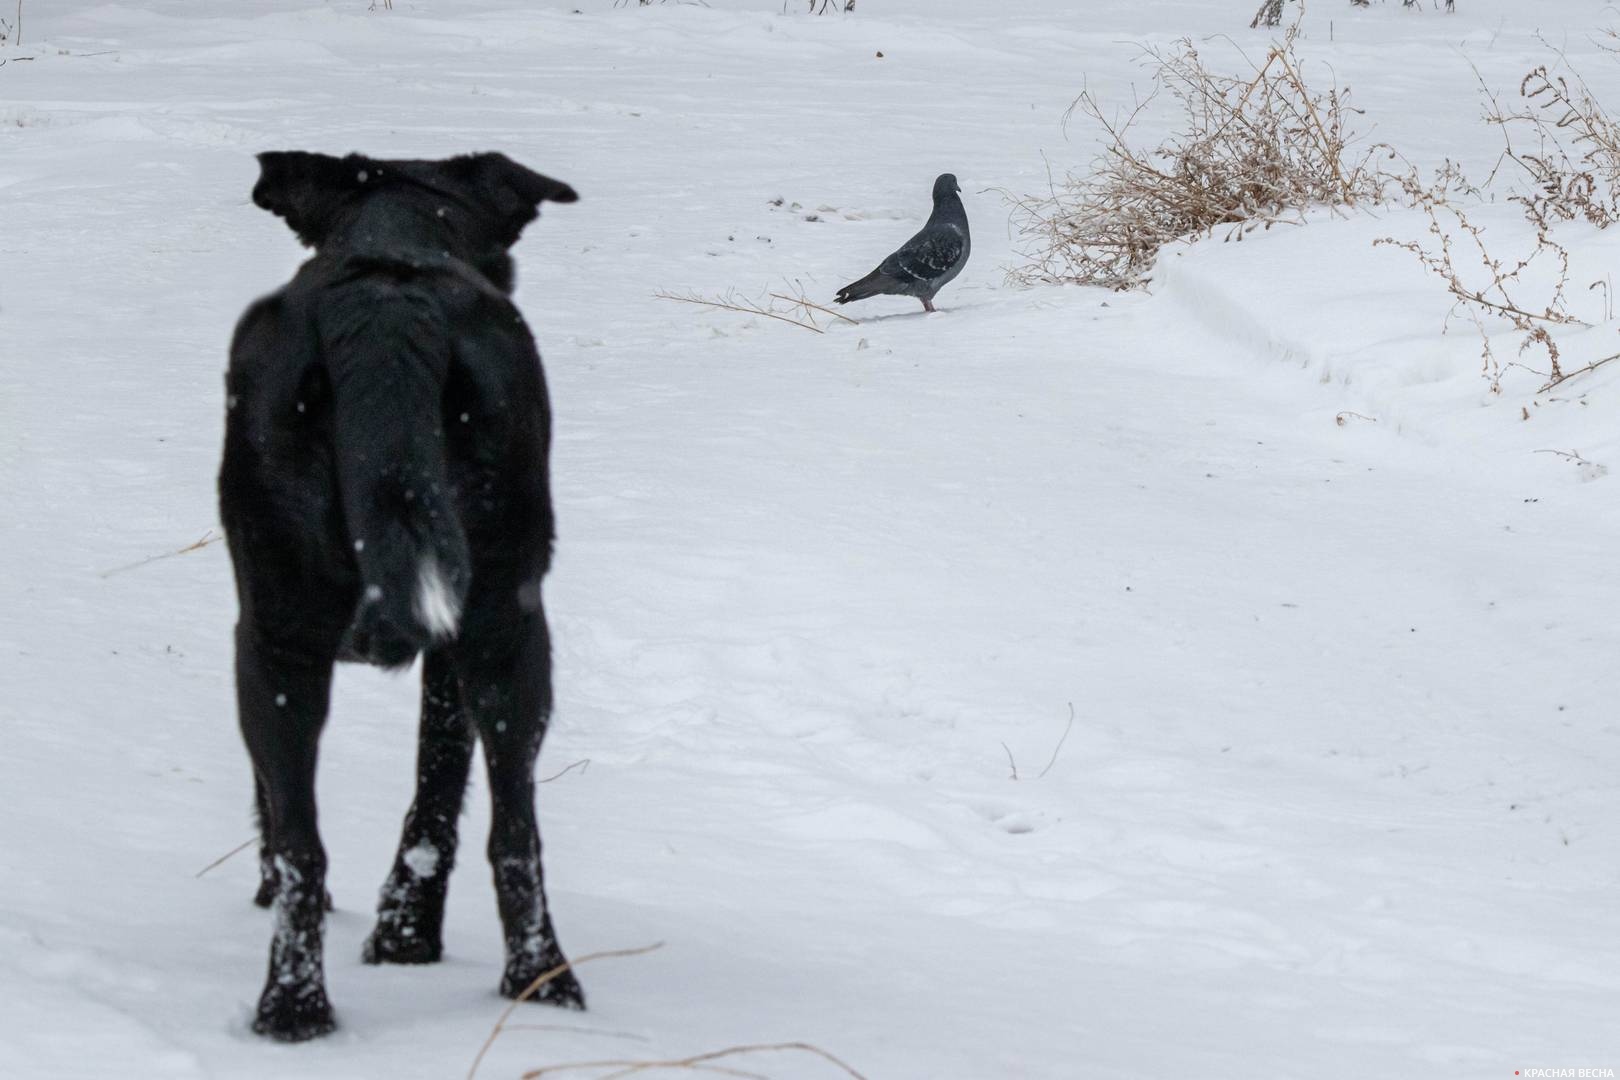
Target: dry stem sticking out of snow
[[243, 846], [797, 308], [695, 1063], [209, 537], [1055, 750], [626, 1067], [582, 764]]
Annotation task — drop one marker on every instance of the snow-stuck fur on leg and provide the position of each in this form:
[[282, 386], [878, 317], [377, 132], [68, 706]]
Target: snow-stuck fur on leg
[[358, 523], [294, 1006], [410, 907]]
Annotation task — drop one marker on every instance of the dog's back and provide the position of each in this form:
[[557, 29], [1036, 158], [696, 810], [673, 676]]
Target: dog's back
[[388, 430], [388, 425]]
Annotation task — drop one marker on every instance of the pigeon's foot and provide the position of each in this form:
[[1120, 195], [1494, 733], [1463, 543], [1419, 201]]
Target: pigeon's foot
[[928, 305]]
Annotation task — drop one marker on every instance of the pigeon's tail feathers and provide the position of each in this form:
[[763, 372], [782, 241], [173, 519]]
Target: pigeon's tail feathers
[[870, 285]]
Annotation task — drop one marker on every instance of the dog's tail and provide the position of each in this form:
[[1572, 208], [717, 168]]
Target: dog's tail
[[387, 349]]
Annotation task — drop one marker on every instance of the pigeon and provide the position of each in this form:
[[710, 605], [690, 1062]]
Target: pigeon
[[926, 262]]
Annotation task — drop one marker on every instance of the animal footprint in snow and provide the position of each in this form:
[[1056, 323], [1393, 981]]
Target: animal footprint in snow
[[1009, 819]]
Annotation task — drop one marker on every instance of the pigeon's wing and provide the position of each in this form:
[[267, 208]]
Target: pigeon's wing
[[926, 257]]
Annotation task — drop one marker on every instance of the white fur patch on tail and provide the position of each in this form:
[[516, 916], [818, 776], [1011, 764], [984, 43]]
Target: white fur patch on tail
[[436, 604]]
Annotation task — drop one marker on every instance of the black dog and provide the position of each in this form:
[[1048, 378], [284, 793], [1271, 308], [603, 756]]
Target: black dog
[[385, 493]]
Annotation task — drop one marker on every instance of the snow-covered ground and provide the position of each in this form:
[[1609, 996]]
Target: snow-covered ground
[[1339, 798]]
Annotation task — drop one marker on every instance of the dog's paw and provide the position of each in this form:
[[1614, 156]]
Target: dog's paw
[[391, 943], [294, 1014], [562, 989]]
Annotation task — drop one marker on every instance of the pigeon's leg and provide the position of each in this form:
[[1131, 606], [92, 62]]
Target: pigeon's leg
[[928, 305]]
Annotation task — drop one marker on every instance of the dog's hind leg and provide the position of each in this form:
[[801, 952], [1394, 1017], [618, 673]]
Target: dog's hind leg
[[266, 894], [508, 692], [410, 911], [282, 695], [267, 864]]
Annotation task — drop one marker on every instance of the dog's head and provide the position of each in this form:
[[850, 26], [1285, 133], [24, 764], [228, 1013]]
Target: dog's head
[[474, 206]]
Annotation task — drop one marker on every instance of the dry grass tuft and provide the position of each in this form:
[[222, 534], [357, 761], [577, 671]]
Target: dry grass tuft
[[1411, 5], [1252, 149], [1566, 148], [1573, 162], [1495, 288], [1269, 14]]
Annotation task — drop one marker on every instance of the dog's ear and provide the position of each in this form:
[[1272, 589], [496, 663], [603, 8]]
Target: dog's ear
[[306, 189], [511, 193]]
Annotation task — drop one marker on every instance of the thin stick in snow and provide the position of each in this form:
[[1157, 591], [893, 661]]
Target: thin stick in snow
[[747, 307], [582, 764], [1593, 366], [1568, 455], [1055, 750], [1060, 742], [697, 1062], [243, 846], [534, 987], [810, 305], [207, 538], [801, 311], [605, 1033]]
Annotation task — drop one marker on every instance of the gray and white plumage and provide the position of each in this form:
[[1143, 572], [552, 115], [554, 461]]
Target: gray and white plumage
[[928, 261]]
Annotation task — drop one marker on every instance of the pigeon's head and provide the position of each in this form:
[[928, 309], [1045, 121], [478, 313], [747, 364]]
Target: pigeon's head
[[946, 186], [474, 207]]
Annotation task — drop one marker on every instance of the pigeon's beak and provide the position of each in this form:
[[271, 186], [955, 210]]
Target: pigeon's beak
[[959, 189]]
